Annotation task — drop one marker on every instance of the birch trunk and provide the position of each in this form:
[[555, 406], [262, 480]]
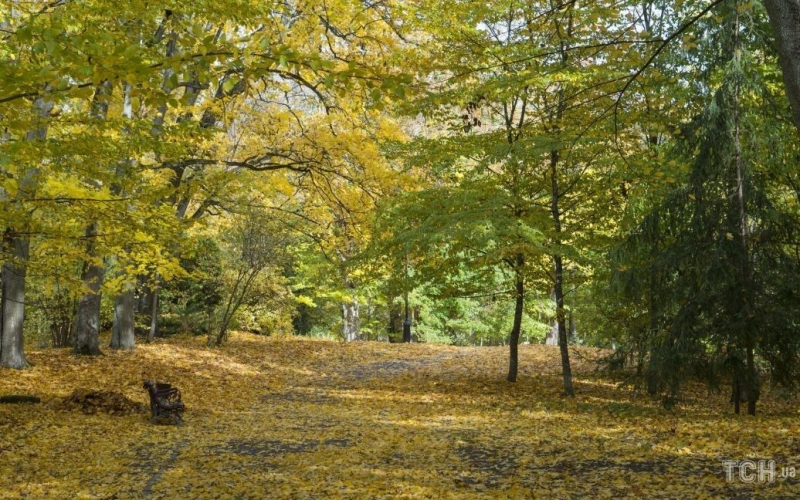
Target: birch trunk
[[350, 326]]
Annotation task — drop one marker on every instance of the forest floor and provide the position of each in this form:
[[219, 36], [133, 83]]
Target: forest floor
[[298, 418]]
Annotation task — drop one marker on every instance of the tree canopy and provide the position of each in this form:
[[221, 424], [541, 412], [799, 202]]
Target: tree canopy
[[617, 174]]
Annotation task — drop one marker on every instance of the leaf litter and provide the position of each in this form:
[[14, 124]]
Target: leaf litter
[[301, 418]]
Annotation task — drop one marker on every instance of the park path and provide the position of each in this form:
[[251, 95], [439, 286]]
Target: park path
[[310, 412]]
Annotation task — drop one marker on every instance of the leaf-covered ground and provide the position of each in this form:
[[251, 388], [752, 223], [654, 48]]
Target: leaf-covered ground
[[295, 418]]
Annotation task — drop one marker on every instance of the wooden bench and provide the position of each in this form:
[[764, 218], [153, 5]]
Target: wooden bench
[[165, 401]]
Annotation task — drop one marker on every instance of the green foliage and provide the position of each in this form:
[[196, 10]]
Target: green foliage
[[465, 321], [708, 269], [188, 304]]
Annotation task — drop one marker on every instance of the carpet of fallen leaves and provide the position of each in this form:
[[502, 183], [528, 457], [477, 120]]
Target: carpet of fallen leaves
[[298, 418]]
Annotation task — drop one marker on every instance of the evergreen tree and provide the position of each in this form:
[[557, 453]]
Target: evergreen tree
[[710, 264]]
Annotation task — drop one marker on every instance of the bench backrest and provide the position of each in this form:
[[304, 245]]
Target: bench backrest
[[157, 389]]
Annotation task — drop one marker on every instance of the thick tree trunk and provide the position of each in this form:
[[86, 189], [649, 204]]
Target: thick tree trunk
[[784, 16], [552, 335], [516, 329], [12, 294], [122, 334], [87, 328], [13, 303]]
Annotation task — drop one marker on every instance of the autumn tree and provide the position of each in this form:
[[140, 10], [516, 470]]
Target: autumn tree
[[176, 84], [254, 245], [16, 190], [526, 165]]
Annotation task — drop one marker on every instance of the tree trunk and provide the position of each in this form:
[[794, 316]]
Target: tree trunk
[[87, 329], [122, 334], [558, 287], [784, 16], [552, 335], [157, 129], [572, 332], [406, 319], [395, 324], [230, 310], [555, 209], [12, 294], [223, 330], [350, 326], [516, 329], [13, 303], [63, 315], [746, 285], [244, 281], [563, 341], [751, 385], [151, 335]]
